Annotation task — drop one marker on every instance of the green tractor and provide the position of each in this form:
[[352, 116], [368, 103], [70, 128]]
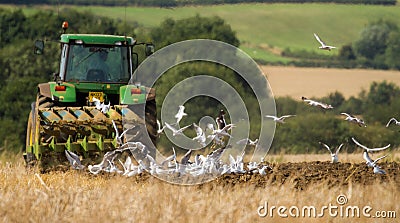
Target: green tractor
[[93, 92]]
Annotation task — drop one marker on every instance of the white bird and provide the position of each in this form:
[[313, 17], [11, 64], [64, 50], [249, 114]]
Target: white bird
[[217, 154], [175, 131], [160, 130], [372, 163], [101, 106], [220, 132], [316, 103], [323, 45], [97, 103], [334, 155], [352, 118], [180, 114], [74, 160], [127, 165], [119, 137], [105, 108], [247, 141], [279, 119], [369, 149], [170, 158], [186, 157], [392, 120], [107, 159], [200, 135]]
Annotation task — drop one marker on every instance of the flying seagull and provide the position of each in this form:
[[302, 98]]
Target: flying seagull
[[180, 114], [200, 135], [352, 118], [247, 141], [160, 130], [323, 45], [74, 160], [176, 131], [334, 155], [316, 103], [279, 119], [101, 106], [119, 137], [369, 149], [392, 120], [372, 163]]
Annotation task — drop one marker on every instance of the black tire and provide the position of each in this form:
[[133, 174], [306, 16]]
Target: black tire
[[151, 120], [30, 159], [44, 102]]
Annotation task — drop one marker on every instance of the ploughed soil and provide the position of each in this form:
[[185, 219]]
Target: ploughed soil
[[302, 175]]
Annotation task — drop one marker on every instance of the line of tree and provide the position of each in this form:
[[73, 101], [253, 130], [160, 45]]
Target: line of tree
[[177, 3]]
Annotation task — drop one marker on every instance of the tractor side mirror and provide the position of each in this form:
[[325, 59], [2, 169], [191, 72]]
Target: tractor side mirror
[[149, 49], [39, 47]]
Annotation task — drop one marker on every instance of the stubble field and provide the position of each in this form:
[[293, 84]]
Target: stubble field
[[77, 196]]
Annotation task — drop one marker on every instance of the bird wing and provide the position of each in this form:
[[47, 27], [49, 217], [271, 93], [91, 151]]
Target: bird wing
[[73, 158], [180, 112], [338, 149], [227, 127], [231, 159], [390, 121], [170, 158], [170, 127], [151, 159], [124, 132], [210, 126], [186, 157], [319, 40], [158, 125], [286, 116], [344, 113], [199, 131], [360, 145], [379, 149], [375, 161], [96, 102], [367, 158], [183, 128], [326, 146], [271, 116]]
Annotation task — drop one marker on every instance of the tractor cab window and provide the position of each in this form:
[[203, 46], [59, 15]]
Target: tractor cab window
[[93, 63]]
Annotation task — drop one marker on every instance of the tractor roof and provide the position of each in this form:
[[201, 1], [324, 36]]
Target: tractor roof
[[97, 39]]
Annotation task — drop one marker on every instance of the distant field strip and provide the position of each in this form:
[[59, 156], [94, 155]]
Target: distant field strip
[[319, 82]]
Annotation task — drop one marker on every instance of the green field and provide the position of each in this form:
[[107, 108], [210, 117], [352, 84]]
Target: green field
[[266, 29]]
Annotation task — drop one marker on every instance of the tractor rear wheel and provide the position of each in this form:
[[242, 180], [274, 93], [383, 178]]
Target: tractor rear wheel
[[30, 158], [151, 120]]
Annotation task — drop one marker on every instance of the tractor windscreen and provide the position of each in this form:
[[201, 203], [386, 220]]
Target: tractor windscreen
[[94, 63]]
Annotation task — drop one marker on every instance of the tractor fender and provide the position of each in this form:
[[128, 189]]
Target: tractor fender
[[132, 94], [62, 92]]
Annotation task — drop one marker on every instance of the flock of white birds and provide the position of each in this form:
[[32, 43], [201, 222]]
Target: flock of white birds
[[200, 165], [353, 119], [211, 163]]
